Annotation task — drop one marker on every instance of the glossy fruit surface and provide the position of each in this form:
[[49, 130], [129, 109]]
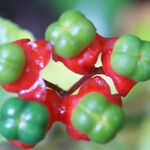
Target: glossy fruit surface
[[92, 85], [30, 85], [23, 121], [88, 109], [12, 61], [49, 100], [122, 84], [70, 34], [131, 58], [83, 63], [96, 117]]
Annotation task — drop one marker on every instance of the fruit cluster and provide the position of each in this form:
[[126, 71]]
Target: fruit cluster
[[91, 114]]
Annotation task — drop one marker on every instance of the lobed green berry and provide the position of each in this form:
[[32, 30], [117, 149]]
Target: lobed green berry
[[23, 121], [97, 118], [131, 58], [70, 34], [12, 61]]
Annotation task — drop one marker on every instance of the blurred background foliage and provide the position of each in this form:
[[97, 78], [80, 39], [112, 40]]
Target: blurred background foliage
[[111, 17]]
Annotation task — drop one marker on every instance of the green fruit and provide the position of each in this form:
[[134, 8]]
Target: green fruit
[[97, 118], [12, 61], [23, 121], [131, 58], [70, 34]]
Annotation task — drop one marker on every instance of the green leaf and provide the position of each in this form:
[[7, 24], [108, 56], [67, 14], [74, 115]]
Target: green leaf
[[144, 143], [60, 75], [10, 31]]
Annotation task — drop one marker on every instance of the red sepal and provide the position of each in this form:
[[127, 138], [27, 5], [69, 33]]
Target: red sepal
[[84, 63]]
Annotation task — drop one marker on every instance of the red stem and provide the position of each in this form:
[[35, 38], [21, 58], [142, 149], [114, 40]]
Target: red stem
[[63, 93]]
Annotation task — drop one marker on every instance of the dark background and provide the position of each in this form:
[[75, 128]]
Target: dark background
[[35, 15]]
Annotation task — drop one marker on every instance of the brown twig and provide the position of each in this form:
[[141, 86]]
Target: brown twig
[[98, 70], [59, 90], [63, 93]]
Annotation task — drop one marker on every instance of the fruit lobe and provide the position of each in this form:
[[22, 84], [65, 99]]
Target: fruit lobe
[[83, 63], [131, 58], [95, 84], [50, 101], [23, 121], [96, 117], [12, 61], [122, 84], [70, 34]]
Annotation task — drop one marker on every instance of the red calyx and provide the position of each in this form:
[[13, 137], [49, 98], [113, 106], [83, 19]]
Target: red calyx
[[84, 63], [30, 85], [50, 103], [68, 105], [122, 84], [95, 84]]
